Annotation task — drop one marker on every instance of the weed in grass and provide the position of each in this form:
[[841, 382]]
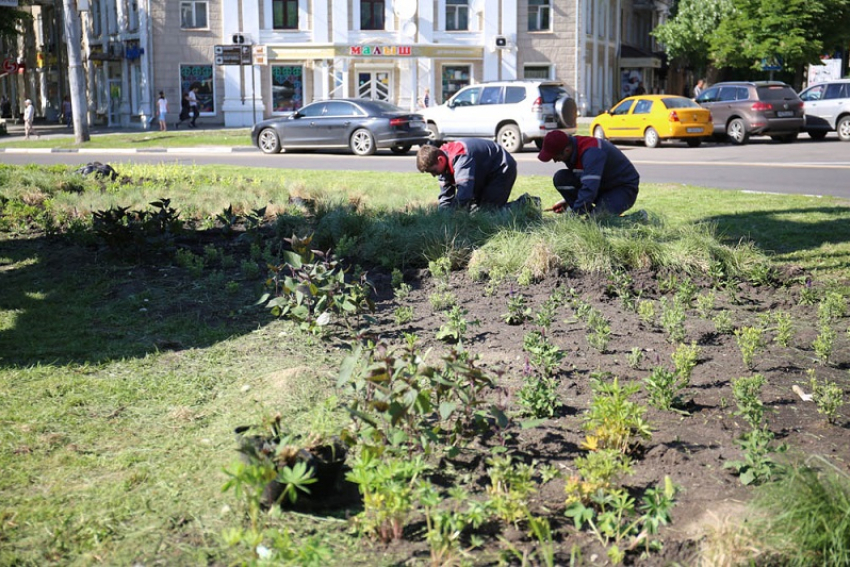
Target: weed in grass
[[832, 307], [828, 396], [750, 342], [634, 358], [809, 294], [784, 328], [525, 277], [686, 291], [191, 262], [447, 524]]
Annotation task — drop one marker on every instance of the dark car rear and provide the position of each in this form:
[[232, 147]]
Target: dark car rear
[[761, 108]]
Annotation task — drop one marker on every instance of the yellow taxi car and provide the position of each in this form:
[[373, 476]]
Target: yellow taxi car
[[653, 118]]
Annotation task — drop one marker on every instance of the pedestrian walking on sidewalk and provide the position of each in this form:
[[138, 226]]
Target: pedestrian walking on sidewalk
[[162, 110], [66, 111], [193, 106]]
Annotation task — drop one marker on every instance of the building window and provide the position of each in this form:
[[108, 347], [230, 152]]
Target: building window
[[538, 15], [457, 15], [285, 14], [455, 77], [371, 14], [287, 88], [200, 76], [537, 72], [193, 15]]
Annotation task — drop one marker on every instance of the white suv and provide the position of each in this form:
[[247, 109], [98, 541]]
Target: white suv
[[827, 108], [511, 112]]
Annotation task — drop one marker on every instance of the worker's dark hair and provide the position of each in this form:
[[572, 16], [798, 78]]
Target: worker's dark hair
[[426, 157]]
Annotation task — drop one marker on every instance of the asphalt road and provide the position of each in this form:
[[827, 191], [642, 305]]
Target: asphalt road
[[801, 167]]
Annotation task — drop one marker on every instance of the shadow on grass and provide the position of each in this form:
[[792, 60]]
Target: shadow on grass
[[65, 303], [786, 231]]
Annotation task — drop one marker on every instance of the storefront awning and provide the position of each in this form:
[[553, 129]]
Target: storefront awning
[[632, 57]]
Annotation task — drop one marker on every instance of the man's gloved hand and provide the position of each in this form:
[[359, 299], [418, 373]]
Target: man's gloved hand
[[559, 207]]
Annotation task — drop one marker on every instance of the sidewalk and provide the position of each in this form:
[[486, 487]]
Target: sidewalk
[[54, 131]]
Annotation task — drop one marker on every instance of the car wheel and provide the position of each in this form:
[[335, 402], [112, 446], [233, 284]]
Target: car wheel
[[816, 134], [509, 137], [737, 132], [268, 141], [650, 138], [433, 133], [693, 142], [362, 142], [598, 132], [401, 149], [843, 129]]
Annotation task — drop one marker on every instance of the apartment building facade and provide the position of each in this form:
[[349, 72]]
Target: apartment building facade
[[304, 50]]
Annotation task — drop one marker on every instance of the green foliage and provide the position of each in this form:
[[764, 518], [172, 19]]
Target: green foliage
[[828, 396], [511, 486], [673, 320], [518, 313], [806, 516], [403, 314], [832, 308], [442, 300], [446, 525], [454, 331], [634, 358], [143, 231], [824, 343], [757, 466], [687, 35], [309, 287], [705, 304], [723, 322], [613, 421], [784, 328], [685, 358], [387, 484], [646, 312], [750, 341], [664, 387]]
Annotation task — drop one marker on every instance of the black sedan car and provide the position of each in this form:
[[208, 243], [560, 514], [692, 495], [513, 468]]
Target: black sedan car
[[361, 125]]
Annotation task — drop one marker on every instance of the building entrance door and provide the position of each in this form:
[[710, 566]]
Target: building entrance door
[[374, 85]]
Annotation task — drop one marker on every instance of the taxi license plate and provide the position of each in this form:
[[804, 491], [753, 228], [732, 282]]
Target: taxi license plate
[[694, 130], [785, 113]]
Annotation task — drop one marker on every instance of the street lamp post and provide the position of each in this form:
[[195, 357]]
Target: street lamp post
[[76, 82]]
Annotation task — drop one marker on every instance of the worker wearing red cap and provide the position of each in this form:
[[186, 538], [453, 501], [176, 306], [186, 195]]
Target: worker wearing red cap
[[599, 177]]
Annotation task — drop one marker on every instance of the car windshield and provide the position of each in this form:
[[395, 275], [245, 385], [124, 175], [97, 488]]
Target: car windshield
[[775, 92], [679, 103]]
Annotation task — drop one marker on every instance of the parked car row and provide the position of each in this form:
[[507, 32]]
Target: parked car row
[[515, 113]]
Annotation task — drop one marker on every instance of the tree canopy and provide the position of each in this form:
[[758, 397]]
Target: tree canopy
[[9, 20], [744, 33]]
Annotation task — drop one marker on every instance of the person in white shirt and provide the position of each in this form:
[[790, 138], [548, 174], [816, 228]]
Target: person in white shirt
[[162, 110], [29, 116], [193, 105]]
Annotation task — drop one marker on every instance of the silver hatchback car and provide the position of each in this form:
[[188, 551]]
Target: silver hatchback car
[[827, 108], [513, 113]]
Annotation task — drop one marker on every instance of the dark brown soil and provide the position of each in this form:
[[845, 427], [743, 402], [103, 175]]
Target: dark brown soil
[[690, 447]]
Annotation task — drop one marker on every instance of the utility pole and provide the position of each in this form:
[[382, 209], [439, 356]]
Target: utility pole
[[76, 80]]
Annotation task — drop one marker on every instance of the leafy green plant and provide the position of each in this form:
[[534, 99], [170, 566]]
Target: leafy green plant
[[511, 485], [832, 307], [828, 396], [664, 387], [613, 421], [599, 331], [705, 304], [454, 331], [824, 343], [621, 525], [808, 294], [442, 300], [750, 341], [387, 485], [646, 312], [191, 262], [309, 287], [673, 320], [757, 466], [784, 328], [518, 312], [634, 358], [403, 314], [446, 524], [723, 322], [685, 359]]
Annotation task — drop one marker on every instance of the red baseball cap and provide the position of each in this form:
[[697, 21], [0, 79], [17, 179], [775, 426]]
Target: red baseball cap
[[553, 144]]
